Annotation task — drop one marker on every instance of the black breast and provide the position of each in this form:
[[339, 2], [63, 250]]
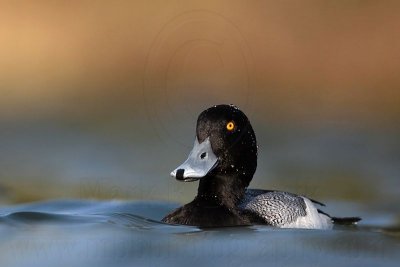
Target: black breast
[[198, 214]]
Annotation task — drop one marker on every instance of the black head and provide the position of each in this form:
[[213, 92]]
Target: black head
[[225, 146]]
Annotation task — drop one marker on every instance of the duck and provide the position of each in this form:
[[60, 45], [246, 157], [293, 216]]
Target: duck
[[224, 160]]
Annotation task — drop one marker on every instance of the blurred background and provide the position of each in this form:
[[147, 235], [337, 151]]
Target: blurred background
[[99, 99]]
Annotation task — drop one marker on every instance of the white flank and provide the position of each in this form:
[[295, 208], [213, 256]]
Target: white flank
[[313, 219]]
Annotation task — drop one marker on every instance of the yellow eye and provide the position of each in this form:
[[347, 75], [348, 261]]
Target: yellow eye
[[230, 126]]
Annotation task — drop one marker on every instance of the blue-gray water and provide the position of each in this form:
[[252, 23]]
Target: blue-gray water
[[129, 233], [355, 171]]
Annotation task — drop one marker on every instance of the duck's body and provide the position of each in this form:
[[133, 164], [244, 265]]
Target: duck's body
[[224, 159], [274, 208]]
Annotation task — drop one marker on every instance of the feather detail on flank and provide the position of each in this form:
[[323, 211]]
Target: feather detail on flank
[[284, 210], [312, 220]]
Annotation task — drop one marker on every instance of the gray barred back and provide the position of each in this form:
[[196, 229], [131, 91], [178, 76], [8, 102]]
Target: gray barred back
[[275, 207]]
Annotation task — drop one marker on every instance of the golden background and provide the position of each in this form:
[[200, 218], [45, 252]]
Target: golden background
[[99, 98]]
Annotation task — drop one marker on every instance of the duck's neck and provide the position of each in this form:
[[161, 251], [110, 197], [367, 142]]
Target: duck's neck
[[221, 191]]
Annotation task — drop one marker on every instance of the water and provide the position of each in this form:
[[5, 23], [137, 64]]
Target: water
[[129, 233], [354, 171]]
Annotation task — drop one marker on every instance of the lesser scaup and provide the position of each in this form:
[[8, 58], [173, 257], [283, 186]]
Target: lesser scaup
[[224, 159]]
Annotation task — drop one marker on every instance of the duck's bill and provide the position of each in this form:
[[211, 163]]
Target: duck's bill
[[200, 162]]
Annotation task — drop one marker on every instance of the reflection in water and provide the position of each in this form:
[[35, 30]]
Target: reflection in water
[[130, 233]]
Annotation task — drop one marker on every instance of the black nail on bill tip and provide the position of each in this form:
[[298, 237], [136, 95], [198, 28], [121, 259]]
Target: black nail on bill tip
[[179, 174]]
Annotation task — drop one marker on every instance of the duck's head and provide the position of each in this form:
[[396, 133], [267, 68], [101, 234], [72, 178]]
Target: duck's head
[[225, 146]]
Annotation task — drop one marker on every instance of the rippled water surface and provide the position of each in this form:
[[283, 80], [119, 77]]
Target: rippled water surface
[[121, 233], [354, 171]]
